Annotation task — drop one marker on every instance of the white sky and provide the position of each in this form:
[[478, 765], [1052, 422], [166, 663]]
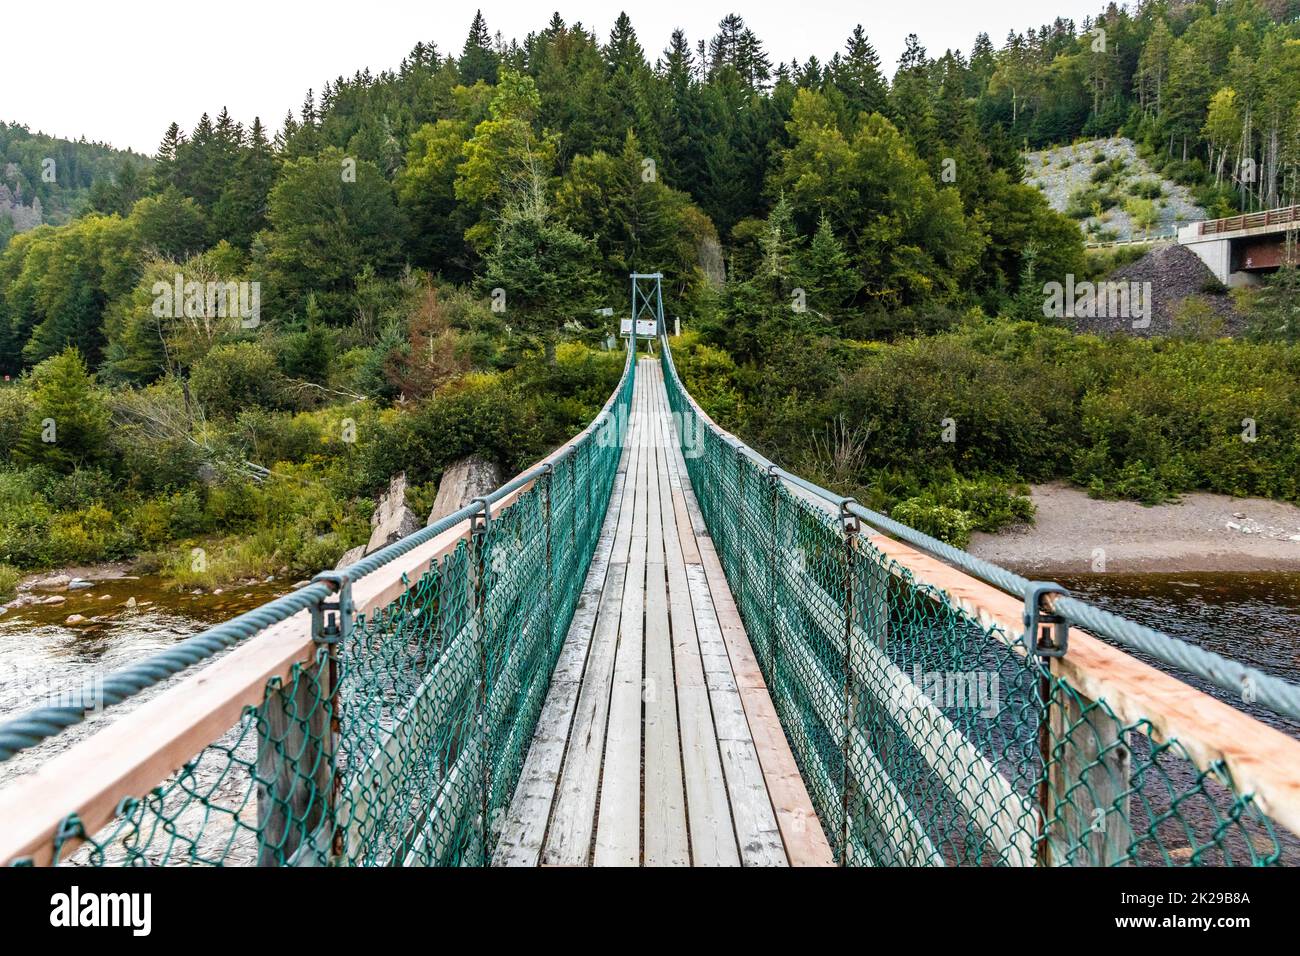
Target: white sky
[[121, 71]]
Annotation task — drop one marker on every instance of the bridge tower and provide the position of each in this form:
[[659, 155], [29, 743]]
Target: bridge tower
[[647, 301]]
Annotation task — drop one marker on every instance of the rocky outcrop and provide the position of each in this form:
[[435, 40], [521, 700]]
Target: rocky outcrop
[[23, 217], [392, 521], [462, 482]]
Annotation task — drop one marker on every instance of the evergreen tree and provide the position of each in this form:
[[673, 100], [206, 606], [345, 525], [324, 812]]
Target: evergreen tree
[[858, 78], [68, 424], [164, 169], [478, 60], [240, 213], [546, 269], [826, 273]]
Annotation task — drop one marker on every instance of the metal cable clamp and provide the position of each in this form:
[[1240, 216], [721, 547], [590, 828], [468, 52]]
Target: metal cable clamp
[[1040, 621]]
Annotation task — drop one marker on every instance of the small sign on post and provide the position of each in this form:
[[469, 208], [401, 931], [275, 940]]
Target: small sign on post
[[645, 328]]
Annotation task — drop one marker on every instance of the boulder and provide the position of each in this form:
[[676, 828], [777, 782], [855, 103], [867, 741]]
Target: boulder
[[462, 482], [54, 582], [392, 519], [351, 556]]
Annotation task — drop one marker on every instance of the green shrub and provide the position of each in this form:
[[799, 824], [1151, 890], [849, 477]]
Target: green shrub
[[1146, 189], [9, 578], [87, 535], [938, 521], [233, 377], [14, 404], [1092, 201], [81, 488], [990, 504]]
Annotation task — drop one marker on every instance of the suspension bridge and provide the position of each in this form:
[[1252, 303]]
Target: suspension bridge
[[656, 647]]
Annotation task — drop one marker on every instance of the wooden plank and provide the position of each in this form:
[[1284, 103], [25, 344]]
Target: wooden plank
[[666, 843], [1008, 818], [295, 752], [804, 841], [898, 823], [524, 833], [713, 836], [573, 816], [375, 784], [450, 808], [618, 825], [1088, 787]]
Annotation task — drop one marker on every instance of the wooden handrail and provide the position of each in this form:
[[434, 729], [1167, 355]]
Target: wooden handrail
[[1263, 762]]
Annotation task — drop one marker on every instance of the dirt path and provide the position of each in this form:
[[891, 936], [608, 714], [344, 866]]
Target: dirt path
[[1201, 532]]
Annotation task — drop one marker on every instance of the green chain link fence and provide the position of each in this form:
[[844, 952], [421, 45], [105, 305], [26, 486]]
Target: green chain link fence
[[925, 738], [402, 743]]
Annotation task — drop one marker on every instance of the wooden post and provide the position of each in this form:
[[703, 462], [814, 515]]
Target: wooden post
[[295, 784], [1087, 793]]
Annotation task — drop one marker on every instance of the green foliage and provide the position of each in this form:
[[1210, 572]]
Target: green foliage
[[237, 376], [1123, 417], [307, 253], [67, 426], [1195, 319], [9, 578], [57, 282], [938, 521], [169, 225], [546, 270], [1275, 309]]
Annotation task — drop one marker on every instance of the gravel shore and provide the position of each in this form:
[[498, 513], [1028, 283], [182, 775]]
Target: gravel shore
[[1073, 533]]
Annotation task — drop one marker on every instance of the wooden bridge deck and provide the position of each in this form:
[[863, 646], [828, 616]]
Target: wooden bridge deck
[[658, 743]]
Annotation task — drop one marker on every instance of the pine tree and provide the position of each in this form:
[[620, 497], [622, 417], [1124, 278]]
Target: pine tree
[[69, 420], [240, 213], [911, 100], [546, 269], [752, 62], [623, 52], [857, 76], [478, 59], [164, 169], [1276, 308], [826, 272]]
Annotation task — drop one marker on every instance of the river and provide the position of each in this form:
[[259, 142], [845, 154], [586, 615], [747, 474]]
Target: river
[[1254, 618], [40, 654], [1251, 618]]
